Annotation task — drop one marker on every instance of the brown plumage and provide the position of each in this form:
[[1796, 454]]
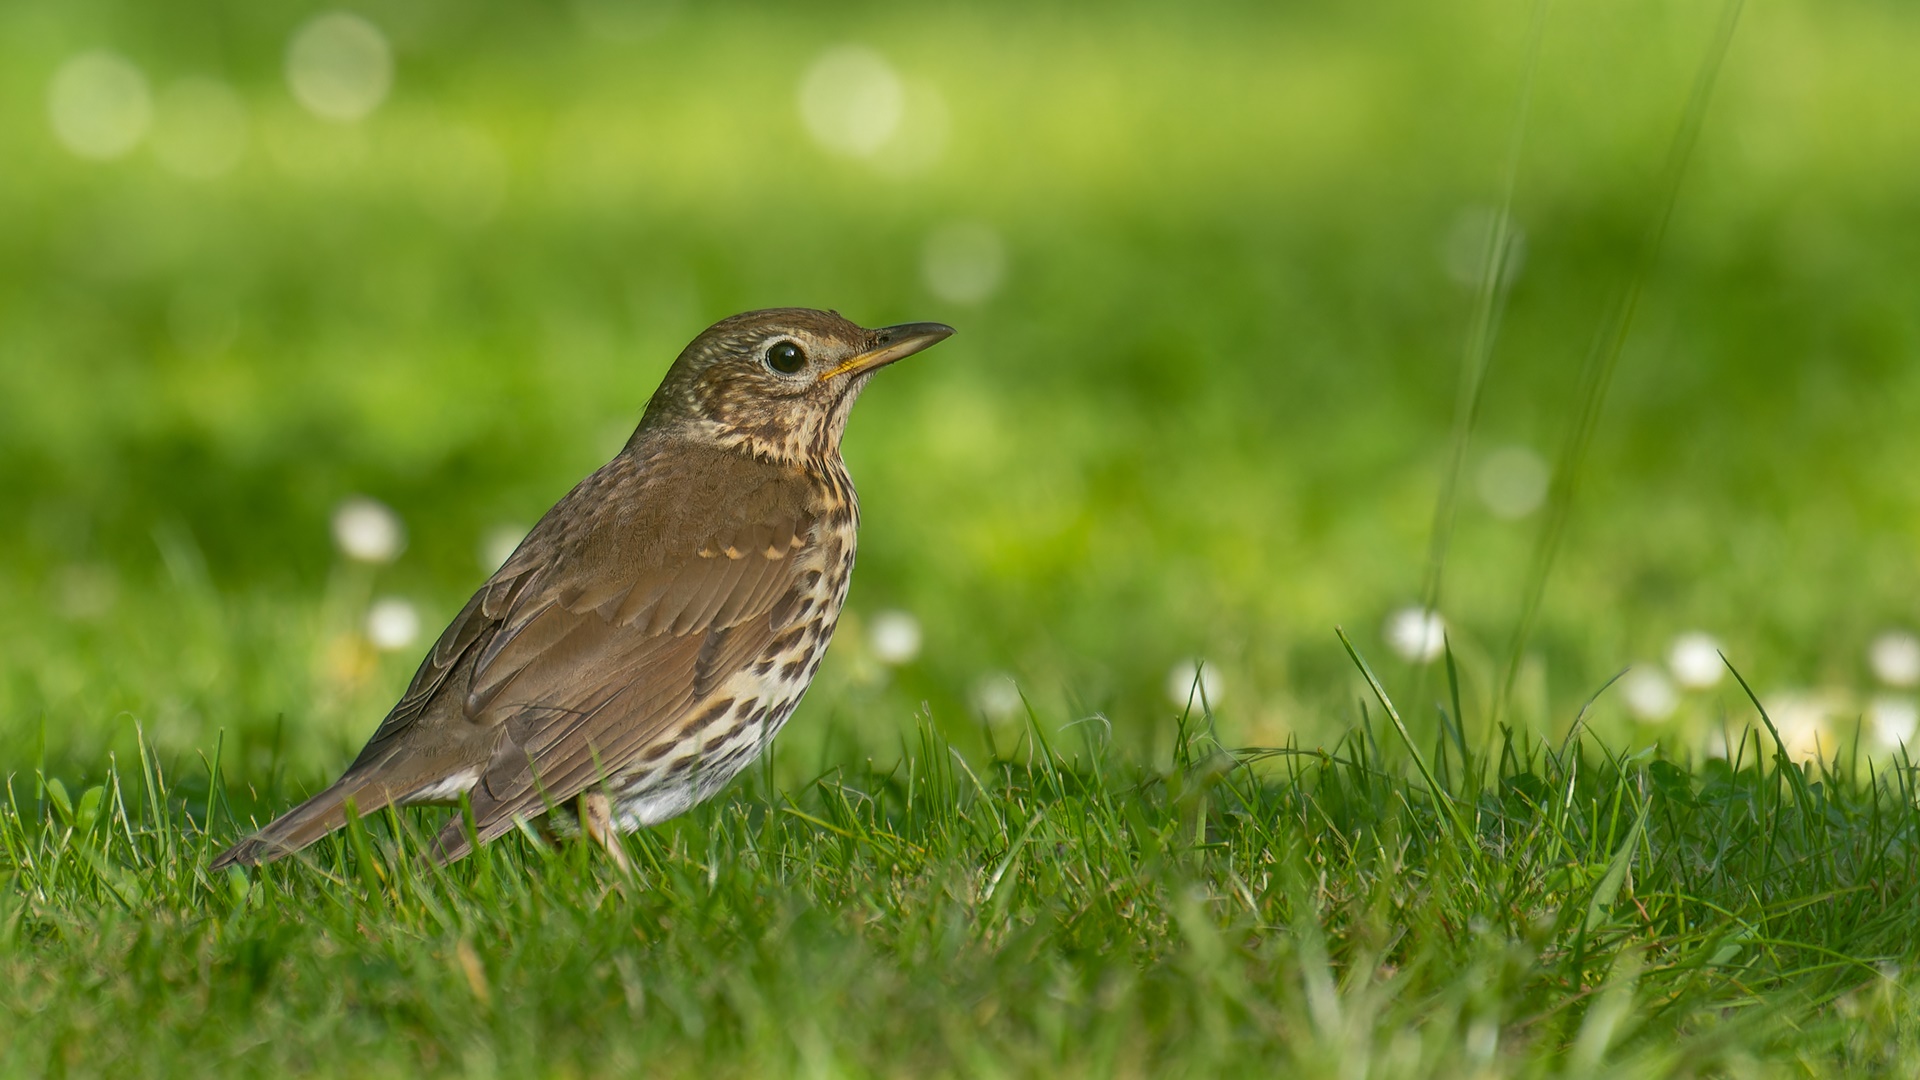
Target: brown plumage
[[658, 626]]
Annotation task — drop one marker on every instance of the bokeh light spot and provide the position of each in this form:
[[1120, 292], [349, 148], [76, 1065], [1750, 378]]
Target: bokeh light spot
[[1512, 482], [963, 262], [996, 696], [339, 66], [1649, 695], [99, 105], [1801, 718], [852, 100]]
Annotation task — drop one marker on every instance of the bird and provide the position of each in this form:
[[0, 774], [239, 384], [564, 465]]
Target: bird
[[655, 630]]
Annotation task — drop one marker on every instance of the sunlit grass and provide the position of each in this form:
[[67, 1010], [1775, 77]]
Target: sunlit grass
[[1511, 909]]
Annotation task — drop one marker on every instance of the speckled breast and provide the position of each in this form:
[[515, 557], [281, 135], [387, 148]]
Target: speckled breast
[[731, 727]]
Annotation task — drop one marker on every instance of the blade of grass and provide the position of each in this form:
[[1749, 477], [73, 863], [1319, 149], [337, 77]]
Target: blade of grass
[[1603, 357], [1442, 799], [1483, 329]]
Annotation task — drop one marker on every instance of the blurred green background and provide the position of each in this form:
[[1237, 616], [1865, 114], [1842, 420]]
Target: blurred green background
[[1212, 266]]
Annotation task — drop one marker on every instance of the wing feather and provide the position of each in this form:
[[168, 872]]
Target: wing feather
[[644, 614]]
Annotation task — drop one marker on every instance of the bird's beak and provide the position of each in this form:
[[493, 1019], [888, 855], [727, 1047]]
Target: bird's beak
[[891, 343]]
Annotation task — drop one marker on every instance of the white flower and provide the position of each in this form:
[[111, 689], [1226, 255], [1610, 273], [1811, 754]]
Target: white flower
[[367, 530], [1801, 718], [392, 624], [1695, 661], [1895, 657], [997, 696], [1194, 684], [894, 637], [1650, 697], [1894, 718], [1416, 634]]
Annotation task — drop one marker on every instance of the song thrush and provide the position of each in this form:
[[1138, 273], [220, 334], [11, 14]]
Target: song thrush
[[653, 632]]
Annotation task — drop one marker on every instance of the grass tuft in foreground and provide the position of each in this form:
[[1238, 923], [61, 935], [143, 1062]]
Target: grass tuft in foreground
[[1519, 909]]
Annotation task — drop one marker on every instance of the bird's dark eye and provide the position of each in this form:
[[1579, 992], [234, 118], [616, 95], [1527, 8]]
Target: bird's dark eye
[[786, 358]]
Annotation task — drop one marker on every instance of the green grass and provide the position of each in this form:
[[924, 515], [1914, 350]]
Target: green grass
[[1209, 413], [1515, 909]]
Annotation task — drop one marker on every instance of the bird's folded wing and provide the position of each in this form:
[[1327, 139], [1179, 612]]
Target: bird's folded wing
[[471, 630], [604, 654]]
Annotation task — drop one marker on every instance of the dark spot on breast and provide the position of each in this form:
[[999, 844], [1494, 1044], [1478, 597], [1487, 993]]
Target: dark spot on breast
[[783, 612], [763, 666], [791, 670], [711, 712], [745, 709], [658, 750]]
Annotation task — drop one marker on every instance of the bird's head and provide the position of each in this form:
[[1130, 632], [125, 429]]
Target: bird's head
[[778, 383]]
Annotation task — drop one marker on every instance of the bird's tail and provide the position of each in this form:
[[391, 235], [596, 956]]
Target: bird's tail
[[308, 822]]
